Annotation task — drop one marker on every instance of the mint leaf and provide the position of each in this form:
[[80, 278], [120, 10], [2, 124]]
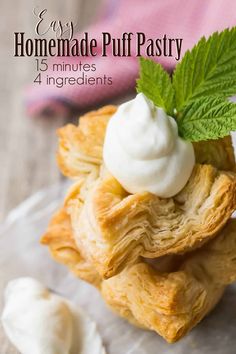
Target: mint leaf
[[207, 118], [208, 69], [197, 95], [156, 84]]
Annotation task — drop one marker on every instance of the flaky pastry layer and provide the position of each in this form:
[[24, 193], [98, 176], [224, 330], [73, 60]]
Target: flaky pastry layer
[[113, 228], [168, 302], [103, 232], [80, 147], [62, 246]]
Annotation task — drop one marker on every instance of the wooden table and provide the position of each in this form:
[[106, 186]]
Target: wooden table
[[27, 146]]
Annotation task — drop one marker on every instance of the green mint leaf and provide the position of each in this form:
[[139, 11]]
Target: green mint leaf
[[208, 69], [207, 118], [155, 83]]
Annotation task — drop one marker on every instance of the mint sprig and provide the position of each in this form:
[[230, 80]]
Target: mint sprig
[[156, 84], [208, 69], [207, 118], [197, 93]]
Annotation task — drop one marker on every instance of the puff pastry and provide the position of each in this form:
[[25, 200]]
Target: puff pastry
[[114, 228], [80, 147], [219, 153], [170, 303], [161, 263], [59, 238], [173, 303]]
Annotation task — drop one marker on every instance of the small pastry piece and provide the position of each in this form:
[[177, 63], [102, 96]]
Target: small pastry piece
[[173, 303], [113, 229], [59, 238], [80, 147], [219, 153]]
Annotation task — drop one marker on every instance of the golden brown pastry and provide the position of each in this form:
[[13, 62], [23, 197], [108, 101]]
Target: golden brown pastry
[[173, 303], [219, 153], [170, 303], [80, 147], [59, 238], [113, 229], [80, 157], [104, 232]]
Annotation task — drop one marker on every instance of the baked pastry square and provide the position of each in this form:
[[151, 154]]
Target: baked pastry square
[[113, 228], [112, 239], [169, 301], [173, 303]]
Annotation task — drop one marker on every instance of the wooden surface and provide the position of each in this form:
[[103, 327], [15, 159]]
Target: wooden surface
[[27, 146]]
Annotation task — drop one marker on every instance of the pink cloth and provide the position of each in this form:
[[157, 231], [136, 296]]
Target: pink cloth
[[187, 19]]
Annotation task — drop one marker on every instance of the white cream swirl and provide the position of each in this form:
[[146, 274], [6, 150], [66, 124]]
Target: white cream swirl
[[38, 321], [143, 151]]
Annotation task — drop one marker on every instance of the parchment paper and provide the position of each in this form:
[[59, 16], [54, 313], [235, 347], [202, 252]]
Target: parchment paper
[[22, 255]]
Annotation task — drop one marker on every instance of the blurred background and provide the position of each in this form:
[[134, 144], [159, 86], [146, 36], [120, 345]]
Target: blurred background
[[28, 137], [28, 145]]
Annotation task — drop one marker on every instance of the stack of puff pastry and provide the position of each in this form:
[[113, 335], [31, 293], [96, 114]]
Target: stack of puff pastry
[[161, 263]]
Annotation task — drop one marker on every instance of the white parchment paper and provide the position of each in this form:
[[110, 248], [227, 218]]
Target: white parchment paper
[[22, 255]]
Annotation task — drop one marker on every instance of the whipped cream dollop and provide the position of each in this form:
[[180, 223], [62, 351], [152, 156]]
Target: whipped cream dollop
[[38, 321], [143, 151]]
